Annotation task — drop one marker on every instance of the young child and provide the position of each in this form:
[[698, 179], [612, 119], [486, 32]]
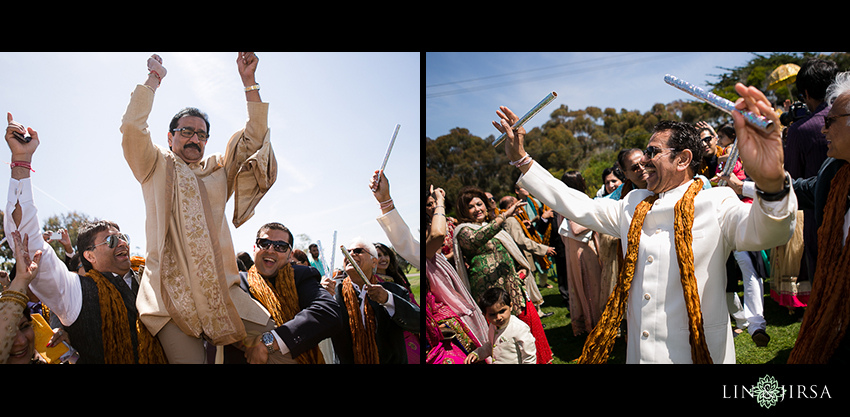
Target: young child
[[511, 339]]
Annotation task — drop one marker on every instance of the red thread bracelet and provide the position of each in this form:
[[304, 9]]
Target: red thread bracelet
[[22, 164]]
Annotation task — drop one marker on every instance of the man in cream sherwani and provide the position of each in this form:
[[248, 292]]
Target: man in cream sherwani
[[190, 290], [657, 315]]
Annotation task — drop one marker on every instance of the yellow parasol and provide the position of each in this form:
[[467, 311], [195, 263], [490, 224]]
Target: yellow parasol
[[782, 76]]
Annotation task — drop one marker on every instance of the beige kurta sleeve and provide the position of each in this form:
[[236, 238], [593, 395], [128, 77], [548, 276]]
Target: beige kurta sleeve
[[250, 163]]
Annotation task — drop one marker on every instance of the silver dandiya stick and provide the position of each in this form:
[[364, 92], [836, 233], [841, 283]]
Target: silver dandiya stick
[[322, 258], [721, 103], [333, 255], [366, 283], [731, 160], [531, 113], [387, 155]]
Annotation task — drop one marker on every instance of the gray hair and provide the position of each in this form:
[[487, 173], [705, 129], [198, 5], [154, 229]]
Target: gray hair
[[370, 248], [839, 87]]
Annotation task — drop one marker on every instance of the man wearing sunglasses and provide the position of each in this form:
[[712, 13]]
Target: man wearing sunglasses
[[670, 308], [312, 317], [381, 313], [79, 301], [189, 290]]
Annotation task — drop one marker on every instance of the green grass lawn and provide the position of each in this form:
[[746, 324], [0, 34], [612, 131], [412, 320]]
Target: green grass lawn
[[566, 347]]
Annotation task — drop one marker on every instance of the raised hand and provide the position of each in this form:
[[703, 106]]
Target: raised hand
[[514, 148], [760, 152], [155, 68], [247, 64], [21, 152]]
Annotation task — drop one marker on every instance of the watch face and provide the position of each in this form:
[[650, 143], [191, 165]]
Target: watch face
[[267, 338]]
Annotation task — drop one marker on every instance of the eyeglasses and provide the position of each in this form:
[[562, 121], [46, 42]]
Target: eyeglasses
[[651, 151], [279, 245], [358, 251], [112, 240], [188, 132], [827, 121], [707, 139], [636, 167]]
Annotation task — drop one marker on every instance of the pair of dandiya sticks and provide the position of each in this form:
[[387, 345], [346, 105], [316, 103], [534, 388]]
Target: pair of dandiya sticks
[[720, 103]]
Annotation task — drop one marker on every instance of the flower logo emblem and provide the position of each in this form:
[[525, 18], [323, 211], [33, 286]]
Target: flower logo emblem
[[768, 392]]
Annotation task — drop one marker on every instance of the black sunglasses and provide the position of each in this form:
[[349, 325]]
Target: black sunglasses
[[279, 245], [651, 151], [112, 241], [828, 121], [358, 251]]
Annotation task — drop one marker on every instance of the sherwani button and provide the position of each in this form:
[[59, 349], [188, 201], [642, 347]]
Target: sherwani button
[[645, 333], [646, 296]]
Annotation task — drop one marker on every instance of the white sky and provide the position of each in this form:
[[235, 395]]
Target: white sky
[[465, 89], [331, 117]]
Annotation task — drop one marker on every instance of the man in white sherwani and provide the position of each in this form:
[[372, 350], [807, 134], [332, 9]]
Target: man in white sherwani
[[656, 310]]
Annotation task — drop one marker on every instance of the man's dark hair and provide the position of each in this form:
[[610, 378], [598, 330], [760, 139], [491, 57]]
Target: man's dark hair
[[189, 111], [85, 238], [682, 136], [275, 226], [815, 76]]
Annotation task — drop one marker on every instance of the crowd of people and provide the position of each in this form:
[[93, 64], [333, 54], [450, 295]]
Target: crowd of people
[[663, 245], [193, 299]]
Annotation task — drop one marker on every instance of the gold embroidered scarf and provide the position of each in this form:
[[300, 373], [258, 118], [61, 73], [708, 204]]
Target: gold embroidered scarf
[[194, 286]]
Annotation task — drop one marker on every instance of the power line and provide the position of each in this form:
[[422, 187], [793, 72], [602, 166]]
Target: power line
[[531, 70], [538, 78]]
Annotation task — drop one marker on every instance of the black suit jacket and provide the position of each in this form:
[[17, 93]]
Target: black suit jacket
[[389, 332], [812, 194], [318, 319]]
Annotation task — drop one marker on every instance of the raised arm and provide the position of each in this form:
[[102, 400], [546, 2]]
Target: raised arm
[[54, 285]]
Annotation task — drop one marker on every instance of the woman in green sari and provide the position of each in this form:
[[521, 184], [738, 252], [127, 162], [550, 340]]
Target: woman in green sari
[[486, 256]]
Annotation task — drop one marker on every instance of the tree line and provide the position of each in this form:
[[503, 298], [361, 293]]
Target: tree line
[[588, 140]]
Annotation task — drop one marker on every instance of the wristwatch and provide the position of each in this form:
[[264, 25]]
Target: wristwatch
[[268, 340], [777, 195]]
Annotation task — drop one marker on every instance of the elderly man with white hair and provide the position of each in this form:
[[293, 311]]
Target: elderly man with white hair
[[374, 314]]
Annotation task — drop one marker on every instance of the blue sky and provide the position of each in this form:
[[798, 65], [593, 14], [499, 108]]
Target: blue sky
[[465, 89], [331, 117]]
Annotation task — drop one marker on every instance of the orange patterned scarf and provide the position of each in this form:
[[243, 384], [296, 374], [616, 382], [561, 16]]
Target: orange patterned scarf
[[825, 322], [362, 335]]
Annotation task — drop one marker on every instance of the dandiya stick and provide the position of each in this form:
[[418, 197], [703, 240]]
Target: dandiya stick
[[322, 258], [721, 103], [531, 113], [333, 256], [366, 283], [731, 160], [387, 155]]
